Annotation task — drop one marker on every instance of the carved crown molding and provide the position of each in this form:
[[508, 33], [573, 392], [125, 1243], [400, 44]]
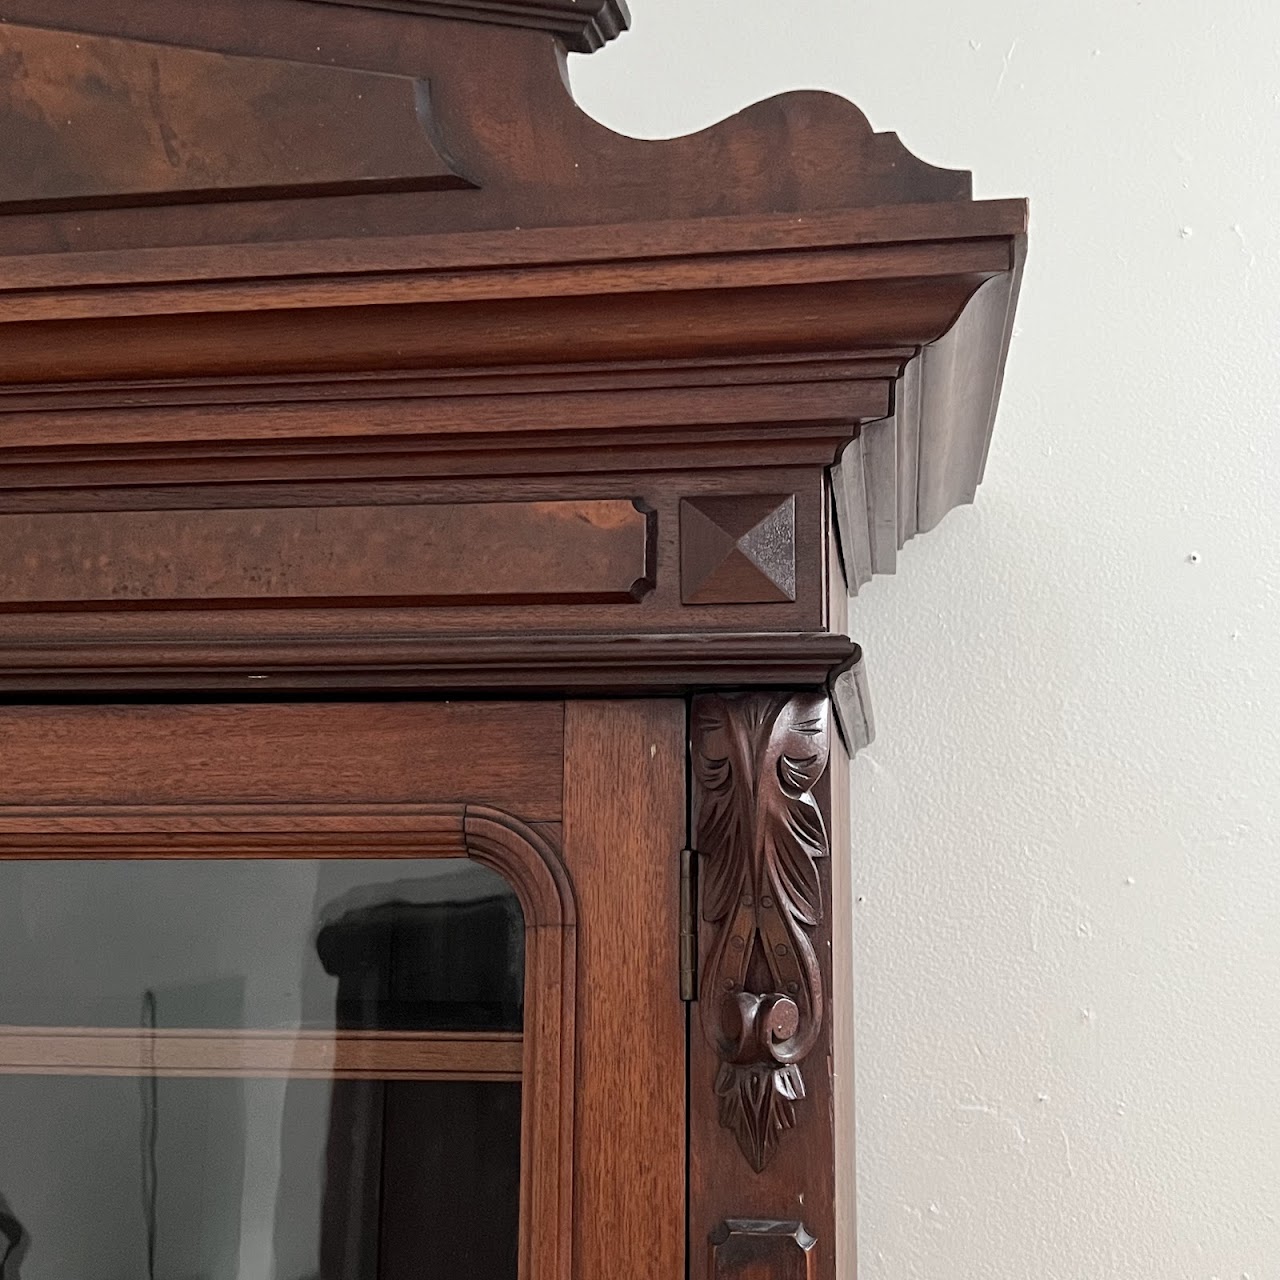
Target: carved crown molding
[[426, 283], [904, 473], [760, 833]]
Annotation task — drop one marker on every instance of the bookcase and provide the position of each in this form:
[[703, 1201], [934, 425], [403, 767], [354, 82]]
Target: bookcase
[[427, 525]]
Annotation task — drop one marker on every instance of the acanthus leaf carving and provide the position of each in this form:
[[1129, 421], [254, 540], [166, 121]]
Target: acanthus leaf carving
[[757, 758]]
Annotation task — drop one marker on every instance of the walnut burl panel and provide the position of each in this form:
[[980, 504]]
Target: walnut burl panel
[[95, 122], [452, 553]]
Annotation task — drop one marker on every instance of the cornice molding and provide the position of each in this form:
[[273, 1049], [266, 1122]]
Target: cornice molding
[[521, 663], [250, 355], [902, 474], [583, 25]]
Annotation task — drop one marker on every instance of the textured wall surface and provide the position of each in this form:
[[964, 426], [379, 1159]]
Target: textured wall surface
[[1068, 833]]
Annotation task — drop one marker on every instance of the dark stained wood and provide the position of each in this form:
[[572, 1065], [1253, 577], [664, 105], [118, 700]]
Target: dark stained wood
[[499, 108], [302, 641], [761, 1104], [851, 701], [760, 835], [739, 549], [309, 329], [491, 553], [343, 354], [643, 394], [217, 442], [597, 319], [839, 244], [904, 473], [503, 423], [550, 1124], [96, 122], [583, 25], [496, 753], [545, 662], [842, 1019], [746, 1249], [624, 828]]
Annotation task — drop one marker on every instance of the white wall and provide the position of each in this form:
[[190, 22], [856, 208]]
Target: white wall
[[1068, 844]]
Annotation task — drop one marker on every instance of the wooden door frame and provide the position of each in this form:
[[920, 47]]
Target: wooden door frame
[[524, 857]]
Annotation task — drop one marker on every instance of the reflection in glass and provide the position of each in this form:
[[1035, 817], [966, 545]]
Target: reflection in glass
[[269, 1070]]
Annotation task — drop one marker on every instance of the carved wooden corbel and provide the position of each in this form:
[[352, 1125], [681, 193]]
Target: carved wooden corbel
[[760, 831]]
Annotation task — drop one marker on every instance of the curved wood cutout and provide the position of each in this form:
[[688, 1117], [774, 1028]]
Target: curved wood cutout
[[501, 113], [95, 122]]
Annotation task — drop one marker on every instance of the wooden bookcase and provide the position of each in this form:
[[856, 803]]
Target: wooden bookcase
[[396, 466]]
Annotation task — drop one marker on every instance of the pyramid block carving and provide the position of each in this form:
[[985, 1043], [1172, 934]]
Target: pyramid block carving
[[738, 549]]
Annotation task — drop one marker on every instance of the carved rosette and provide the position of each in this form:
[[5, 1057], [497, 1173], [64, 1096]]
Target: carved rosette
[[756, 759]]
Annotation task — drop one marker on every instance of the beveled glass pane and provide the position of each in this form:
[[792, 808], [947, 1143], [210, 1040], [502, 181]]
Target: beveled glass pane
[[278, 943], [252, 1179], [275, 1070]]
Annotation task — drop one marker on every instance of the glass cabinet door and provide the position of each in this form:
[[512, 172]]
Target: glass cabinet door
[[270, 1069]]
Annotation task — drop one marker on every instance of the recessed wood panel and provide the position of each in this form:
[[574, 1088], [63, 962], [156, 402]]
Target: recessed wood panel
[[449, 553], [274, 754], [93, 122], [754, 1249]]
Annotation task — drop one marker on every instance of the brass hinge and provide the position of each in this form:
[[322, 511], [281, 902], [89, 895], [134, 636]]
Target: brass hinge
[[688, 926]]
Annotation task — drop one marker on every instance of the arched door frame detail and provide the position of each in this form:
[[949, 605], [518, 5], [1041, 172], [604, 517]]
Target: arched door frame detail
[[526, 858]]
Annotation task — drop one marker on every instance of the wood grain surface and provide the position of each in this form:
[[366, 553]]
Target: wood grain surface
[[328, 326], [504, 754], [623, 832], [106, 123], [495, 553]]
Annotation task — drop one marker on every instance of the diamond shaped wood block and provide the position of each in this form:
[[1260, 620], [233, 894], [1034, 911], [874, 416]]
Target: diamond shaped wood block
[[738, 549]]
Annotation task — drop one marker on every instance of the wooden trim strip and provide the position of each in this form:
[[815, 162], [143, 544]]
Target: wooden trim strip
[[357, 260], [342, 1055], [584, 27], [911, 260], [582, 664]]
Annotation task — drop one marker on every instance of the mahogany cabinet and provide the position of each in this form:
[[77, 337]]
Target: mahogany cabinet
[[426, 526]]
